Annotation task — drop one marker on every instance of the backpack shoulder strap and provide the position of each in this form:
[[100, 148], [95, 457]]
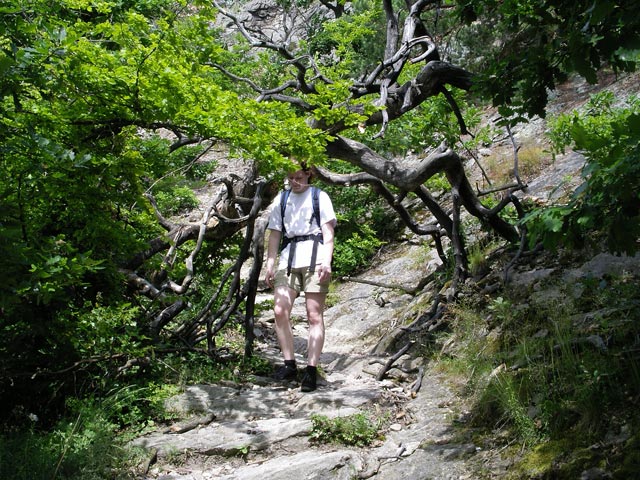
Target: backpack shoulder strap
[[284, 196], [315, 198]]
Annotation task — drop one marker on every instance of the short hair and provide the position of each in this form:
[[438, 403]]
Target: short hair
[[304, 166]]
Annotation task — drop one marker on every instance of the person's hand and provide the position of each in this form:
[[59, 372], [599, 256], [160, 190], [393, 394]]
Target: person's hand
[[269, 277], [324, 273]]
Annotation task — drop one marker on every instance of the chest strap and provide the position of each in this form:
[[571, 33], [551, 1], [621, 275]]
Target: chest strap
[[317, 238]]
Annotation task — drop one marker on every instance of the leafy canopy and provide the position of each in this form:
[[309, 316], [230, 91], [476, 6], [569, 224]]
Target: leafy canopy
[[531, 45], [80, 81]]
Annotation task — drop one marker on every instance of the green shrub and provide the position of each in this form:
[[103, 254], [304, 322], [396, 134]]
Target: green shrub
[[83, 448], [355, 252], [606, 207], [178, 200], [364, 225], [354, 430]]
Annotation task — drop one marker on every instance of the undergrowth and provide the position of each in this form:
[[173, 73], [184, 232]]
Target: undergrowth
[[359, 429], [90, 441], [553, 372]]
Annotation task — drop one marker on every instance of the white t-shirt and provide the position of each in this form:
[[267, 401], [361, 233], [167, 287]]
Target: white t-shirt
[[298, 213]]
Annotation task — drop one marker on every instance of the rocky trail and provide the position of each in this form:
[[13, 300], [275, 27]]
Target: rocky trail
[[262, 430]]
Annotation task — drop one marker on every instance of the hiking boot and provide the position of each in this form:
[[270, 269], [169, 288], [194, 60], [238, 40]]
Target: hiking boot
[[309, 380], [286, 372]]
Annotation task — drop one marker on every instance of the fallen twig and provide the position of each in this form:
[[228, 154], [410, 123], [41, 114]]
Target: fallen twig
[[393, 359], [191, 423], [392, 286], [418, 383]]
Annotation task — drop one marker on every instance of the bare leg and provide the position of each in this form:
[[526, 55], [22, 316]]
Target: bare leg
[[315, 308], [283, 303]]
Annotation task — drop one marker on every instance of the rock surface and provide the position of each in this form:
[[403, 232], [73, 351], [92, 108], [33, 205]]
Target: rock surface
[[262, 430]]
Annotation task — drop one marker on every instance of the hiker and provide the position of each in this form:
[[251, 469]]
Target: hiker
[[305, 242]]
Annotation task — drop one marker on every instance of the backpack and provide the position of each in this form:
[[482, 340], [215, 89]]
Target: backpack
[[315, 201]]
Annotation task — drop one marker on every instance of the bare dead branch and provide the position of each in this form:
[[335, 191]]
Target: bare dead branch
[[269, 44], [456, 110], [460, 271], [391, 44], [386, 170], [501, 188], [251, 286], [415, 388], [387, 366], [390, 286], [337, 8], [432, 314], [166, 316], [189, 331], [523, 238], [236, 294], [142, 285], [166, 224], [392, 200], [202, 230], [516, 148], [434, 207], [442, 159], [248, 81]]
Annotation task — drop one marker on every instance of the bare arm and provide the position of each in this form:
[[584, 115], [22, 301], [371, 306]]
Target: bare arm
[[272, 253], [324, 270]]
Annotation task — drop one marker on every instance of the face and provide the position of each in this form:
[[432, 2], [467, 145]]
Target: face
[[299, 180]]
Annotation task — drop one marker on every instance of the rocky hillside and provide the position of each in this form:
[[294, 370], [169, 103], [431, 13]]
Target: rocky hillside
[[265, 429]]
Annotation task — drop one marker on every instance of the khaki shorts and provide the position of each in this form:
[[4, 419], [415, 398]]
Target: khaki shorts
[[301, 280]]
